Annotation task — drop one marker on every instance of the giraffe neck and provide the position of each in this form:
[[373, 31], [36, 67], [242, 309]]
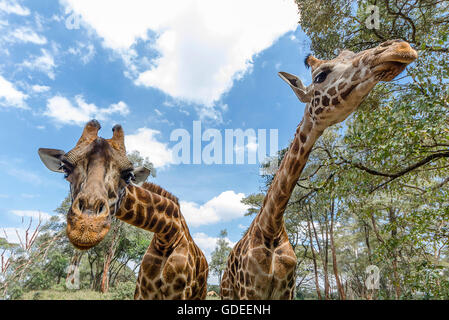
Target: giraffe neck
[[271, 216], [152, 212]]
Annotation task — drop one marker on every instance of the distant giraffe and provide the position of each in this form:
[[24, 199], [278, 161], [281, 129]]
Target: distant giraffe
[[212, 294], [262, 264], [101, 182]]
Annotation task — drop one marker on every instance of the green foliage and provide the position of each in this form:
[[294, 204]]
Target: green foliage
[[254, 201], [124, 291], [4, 244], [15, 292], [60, 293], [138, 161], [38, 280], [213, 287], [57, 265], [220, 255]]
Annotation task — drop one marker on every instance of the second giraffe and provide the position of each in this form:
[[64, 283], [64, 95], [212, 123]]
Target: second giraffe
[[262, 264]]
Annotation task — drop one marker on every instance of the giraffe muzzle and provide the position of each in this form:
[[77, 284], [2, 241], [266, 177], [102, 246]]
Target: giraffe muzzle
[[88, 225], [392, 58]]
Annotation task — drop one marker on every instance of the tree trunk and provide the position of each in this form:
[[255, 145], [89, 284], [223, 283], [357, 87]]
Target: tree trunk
[[341, 291], [92, 276], [73, 269], [326, 257], [107, 262], [115, 275], [315, 269], [397, 283], [368, 245], [325, 269]]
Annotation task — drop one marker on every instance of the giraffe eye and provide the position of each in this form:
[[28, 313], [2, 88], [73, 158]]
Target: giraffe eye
[[321, 77], [67, 168], [128, 176]]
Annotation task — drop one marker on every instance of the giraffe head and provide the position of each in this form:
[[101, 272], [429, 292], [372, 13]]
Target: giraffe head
[[98, 171], [341, 84]]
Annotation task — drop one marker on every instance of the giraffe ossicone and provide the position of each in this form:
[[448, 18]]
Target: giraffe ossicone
[[103, 185], [262, 264]]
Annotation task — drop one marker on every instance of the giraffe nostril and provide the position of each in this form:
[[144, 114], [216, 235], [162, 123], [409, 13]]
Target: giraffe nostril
[[111, 194], [92, 206], [101, 209], [81, 205]]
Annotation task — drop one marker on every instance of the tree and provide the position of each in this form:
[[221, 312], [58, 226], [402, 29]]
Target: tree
[[137, 160], [220, 255]]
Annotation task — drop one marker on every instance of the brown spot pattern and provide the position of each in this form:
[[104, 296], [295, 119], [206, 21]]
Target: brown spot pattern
[[345, 94], [332, 91]]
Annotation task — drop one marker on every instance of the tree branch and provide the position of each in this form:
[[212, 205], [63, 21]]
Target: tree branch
[[393, 176]]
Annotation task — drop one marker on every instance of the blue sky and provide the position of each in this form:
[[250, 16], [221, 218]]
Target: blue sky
[[153, 68]]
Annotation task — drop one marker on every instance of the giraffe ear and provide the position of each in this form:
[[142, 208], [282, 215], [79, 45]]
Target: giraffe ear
[[52, 158], [140, 175], [296, 84]]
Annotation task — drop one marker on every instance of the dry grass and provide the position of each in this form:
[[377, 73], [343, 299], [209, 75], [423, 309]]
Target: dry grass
[[64, 294], [60, 293]]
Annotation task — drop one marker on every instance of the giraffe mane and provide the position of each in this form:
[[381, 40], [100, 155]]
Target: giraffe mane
[[160, 191], [305, 61]]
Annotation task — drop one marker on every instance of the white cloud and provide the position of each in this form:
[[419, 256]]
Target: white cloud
[[63, 111], [251, 146], [145, 142], [11, 234], [202, 46], [44, 63], [10, 96], [34, 214], [39, 89], [30, 218], [28, 195], [15, 168], [25, 34], [11, 6], [86, 52], [24, 175], [224, 207], [120, 107], [207, 244], [3, 23]]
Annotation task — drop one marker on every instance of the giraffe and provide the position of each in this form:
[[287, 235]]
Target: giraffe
[[104, 184], [212, 294], [262, 264]]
